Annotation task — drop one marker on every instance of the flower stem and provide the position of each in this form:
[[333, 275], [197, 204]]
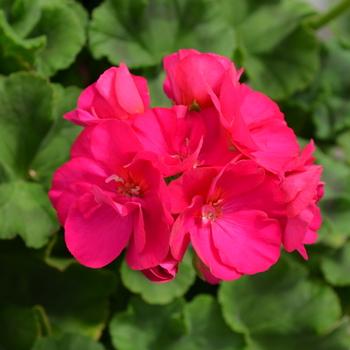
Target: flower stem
[[325, 18]]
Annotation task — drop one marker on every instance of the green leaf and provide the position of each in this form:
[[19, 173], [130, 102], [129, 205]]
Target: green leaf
[[34, 141], [286, 59], [207, 329], [336, 267], [16, 53], [159, 293], [141, 32], [26, 210], [337, 339], [147, 327], [65, 35], [286, 304], [67, 342], [335, 206], [26, 103], [75, 300], [55, 148], [19, 327], [23, 15], [343, 141], [341, 27], [273, 20], [289, 67]]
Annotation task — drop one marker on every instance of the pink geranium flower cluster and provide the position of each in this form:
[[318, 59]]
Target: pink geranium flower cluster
[[220, 170]]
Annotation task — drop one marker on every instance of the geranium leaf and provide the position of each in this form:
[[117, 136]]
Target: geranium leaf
[[74, 300], [26, 116], [159, 293], [65, 36], [16, 53], [141, 32], [303, 307], [55, 148], [287, 57], [19, 327], [67, 342], [34, 219], [148, 327], [336, 267], [207, 328], [288, 67]]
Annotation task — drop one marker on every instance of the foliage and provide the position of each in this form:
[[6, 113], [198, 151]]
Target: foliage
[[47, 300]]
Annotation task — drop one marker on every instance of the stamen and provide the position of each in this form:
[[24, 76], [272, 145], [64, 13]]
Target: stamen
[[114, 177]]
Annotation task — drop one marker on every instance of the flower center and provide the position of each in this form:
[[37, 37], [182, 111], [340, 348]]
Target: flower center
[[125, 188], [211, 211]]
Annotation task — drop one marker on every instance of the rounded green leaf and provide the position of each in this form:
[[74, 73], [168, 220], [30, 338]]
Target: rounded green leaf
[[16, 53], [281, 300], [65, 36], [19, 327], [337, 266], [26, 115], [75, 300], [55, 148], [67, 342], [207, 329], [288, 67], [147, 327], [159, 293], [140, 33], [26, 210]]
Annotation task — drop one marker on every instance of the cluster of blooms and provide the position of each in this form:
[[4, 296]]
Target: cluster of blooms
[[219, 170]]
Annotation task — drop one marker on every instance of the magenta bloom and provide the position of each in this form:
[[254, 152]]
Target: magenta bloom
[[117, 94], [255, 124], [164, 272], [302, 190], [220, 171], [110, 201], [230, 216], [189, 73], [175, 135]]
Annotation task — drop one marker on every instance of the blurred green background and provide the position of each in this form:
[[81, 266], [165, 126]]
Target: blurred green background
[[49, 51]]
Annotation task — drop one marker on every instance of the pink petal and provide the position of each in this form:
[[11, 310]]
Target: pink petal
[[80, 117], [82, 145], [114, 144], [236, 179], [98, 239], [297, 228], [180, 236], [86, 97], [79, 170], [202, 240], [193, 182], [216, 142], [142, 87], [256, 108], [277, 143], [194, 73], [249, 239], [126, 91]]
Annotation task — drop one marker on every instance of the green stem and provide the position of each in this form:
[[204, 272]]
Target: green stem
[[329, 16]]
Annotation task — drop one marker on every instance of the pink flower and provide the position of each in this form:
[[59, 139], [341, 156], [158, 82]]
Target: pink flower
[[189, 72], [255, 124], [302, 190], [230, 216], [175, 135], [117, 94], [107, 201], [164, 272]]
